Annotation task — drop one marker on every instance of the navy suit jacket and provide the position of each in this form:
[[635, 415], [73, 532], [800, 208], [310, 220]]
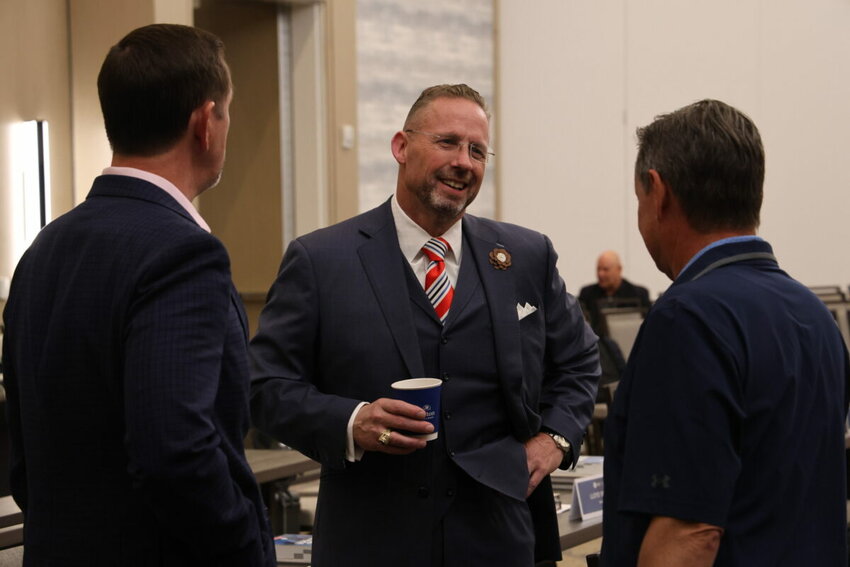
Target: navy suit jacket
[[126, 374], [338, 329]]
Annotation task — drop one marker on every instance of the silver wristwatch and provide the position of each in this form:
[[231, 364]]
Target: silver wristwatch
[[562, 444]]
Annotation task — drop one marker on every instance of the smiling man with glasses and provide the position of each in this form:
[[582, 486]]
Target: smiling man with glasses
[[438, 180], [418, 288]]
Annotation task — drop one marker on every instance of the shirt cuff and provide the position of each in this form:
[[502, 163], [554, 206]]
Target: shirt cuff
[[353, 453]]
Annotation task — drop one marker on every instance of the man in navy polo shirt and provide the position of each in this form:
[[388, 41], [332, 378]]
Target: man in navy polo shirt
[[725, 443]]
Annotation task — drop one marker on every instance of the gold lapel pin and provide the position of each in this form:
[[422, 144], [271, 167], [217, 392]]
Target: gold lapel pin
[[500, 258]]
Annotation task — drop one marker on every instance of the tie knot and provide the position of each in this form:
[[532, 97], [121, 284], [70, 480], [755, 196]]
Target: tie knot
[[436, 249]]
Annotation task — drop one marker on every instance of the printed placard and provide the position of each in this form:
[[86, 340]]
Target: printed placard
[[588, 493]]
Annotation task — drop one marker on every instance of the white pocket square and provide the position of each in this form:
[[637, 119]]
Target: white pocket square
[[523, 311]]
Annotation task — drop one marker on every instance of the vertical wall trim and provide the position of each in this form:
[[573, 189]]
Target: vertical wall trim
[[341, 73], [287, 183], [309, 123]]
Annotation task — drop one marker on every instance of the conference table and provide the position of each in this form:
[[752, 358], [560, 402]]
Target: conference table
[[577, 532], [271, 465], [11, 523], [276, 470]]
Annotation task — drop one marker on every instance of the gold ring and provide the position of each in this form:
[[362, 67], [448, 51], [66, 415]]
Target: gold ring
[[384, 437]]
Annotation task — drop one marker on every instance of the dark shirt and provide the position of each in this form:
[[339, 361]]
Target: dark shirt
[[731, 412]]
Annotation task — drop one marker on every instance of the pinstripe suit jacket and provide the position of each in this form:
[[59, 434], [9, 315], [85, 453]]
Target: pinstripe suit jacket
[[126, 375]]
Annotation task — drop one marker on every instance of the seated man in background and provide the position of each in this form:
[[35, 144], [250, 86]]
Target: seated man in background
[[611, 290]]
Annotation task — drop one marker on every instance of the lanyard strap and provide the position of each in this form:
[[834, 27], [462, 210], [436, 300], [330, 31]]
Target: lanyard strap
[[736, 258]]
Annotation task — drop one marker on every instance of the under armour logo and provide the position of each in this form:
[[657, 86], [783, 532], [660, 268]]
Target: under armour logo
[[660, 481]]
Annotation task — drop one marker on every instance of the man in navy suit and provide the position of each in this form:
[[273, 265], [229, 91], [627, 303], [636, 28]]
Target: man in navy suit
[[349, 314], [125, 353]]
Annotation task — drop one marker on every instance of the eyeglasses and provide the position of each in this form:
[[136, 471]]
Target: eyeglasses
[[448, 143]]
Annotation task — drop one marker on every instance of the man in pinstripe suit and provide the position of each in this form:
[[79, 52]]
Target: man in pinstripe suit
[[125, 350]]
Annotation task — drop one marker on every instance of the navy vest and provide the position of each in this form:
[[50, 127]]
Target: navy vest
[[475, 430]]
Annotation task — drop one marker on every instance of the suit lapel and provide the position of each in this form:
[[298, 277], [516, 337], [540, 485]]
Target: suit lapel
[[385, 268], [465, 288], [416, 294], [501, 292]]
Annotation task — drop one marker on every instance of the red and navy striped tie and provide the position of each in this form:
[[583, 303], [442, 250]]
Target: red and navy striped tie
[[438, 288]]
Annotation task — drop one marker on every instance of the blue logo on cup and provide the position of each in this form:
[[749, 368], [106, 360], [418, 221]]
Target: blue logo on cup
[[425, 393]]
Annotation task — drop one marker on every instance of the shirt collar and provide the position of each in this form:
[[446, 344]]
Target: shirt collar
[[411, 236], [715, 244], [163, 184]]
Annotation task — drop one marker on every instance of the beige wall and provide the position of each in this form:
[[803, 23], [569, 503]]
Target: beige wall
[[89, 43], [50, 53], [34, 61], [576, 78], [342, 108]]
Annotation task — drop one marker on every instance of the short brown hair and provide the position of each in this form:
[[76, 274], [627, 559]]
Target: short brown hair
[[445, 91]]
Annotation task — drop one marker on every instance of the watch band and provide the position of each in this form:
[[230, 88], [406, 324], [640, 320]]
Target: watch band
[[564, 445]]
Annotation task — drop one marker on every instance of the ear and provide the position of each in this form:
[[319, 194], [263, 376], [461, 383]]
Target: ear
[[399, 147], [201, 124], [660, 193]]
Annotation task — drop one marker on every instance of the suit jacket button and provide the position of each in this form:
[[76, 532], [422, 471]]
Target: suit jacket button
[[423, 492], [448, 415], [444, 340]]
